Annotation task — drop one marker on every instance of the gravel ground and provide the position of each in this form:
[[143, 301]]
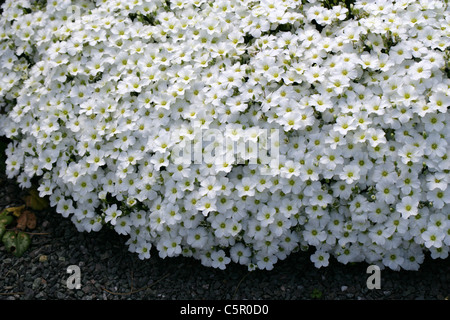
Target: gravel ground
[[110, 272]]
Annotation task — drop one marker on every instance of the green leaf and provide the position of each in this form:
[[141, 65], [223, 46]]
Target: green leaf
[[4, 213], [2, 230], [9, 240], [35, 202], [16, 244], [5, 220], [23, 241]]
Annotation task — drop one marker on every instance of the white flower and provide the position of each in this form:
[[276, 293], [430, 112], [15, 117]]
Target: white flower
[[65, 207], [320, 258], [169, 247], [379, 233], [433, 237], [266, 215], [197, 238], [393, 259], [240, 253], [90, 224], [112, 213], [350, 173], [436, 145], [439, 253], [408, 207], [314, 235], [219, 260], [144, 250], [266, 261], [246, 186], [438, 197]]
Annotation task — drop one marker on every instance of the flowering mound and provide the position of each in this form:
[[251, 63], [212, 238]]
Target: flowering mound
[[104, 102]]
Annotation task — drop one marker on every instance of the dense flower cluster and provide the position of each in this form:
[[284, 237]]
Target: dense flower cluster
[[95, 98]]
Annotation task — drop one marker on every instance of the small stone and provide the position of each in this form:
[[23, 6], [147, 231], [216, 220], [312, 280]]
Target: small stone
[[40, 295], [60, 296], [36, 283], [344, 288], [104, 256], [28, 294], [43, 258]]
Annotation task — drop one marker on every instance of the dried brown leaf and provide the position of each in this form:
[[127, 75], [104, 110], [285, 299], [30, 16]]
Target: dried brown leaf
[[22, 221], [31, 219]]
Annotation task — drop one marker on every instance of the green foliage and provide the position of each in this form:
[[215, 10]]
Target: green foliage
[[329, 4], [16, 242], [35, 202], [4, 221], [316, 294], [15, 239]]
